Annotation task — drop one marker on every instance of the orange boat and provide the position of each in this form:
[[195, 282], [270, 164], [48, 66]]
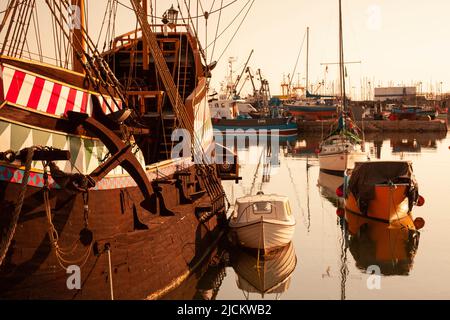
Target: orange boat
[[390, 246], [382, 190]]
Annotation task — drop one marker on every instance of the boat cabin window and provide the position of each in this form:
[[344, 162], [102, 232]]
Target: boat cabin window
[[262, 207]]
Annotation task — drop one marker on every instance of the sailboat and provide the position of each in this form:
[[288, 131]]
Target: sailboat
[[342, 147], [311, 106], [87, 180]]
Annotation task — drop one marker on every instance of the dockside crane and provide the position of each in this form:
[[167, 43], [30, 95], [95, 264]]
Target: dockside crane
[[238, 79]]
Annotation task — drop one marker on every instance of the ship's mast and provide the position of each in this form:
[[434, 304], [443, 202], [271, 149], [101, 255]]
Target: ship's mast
[[341, 60], [77, 32], [145, 53], [307, 59]]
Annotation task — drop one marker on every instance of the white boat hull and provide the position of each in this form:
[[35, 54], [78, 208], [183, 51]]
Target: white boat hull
[[264, 235], [339, 162]]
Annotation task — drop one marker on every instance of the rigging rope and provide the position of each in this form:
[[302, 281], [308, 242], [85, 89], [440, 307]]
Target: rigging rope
[[7, 238], [229, 25], [210, 181], [193, 17], [234, 34], [103, 77], [62, 254], [296, 62], [217, 31]]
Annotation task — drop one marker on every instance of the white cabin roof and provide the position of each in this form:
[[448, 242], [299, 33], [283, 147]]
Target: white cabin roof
[[269, 206], [261, 197]]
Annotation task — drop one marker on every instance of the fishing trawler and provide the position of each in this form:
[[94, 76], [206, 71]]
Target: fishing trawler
[[226, 118], [233, 116], [342, 147], [89, 177]]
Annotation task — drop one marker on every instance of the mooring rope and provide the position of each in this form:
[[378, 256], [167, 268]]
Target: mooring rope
[[6, 240], [62, 254]]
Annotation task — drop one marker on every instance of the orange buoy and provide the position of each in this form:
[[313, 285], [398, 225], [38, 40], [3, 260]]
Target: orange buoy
[[420, 201], [340, 212], [419, 223]]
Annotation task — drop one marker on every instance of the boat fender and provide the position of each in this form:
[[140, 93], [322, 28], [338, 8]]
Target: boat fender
[[340, 191], [340, 212], [419, 223], [420, 201]]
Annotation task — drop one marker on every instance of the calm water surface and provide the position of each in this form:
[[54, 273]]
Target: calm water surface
[[324, 260]]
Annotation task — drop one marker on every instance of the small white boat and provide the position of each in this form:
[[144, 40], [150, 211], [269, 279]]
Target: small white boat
[[339, 153], [263, 222]]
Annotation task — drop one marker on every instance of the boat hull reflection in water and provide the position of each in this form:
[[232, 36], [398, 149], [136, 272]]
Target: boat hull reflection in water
[[390, 246], [328, 185], [268, 274]]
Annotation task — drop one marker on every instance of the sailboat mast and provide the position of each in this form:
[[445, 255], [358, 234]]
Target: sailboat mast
[[307, 59], [341, 60]]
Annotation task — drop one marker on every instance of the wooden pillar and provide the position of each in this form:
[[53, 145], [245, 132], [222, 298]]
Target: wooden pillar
[[78, 34], [145, 51]]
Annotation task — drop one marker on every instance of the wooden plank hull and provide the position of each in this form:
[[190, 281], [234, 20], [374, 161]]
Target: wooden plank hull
[[150, 254]]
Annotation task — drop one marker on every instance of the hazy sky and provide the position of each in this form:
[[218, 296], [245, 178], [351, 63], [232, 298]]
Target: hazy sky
[[396, 40]]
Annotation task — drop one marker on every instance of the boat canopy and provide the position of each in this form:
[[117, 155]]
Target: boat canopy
[[346, 127], [270, 206], [367, 175]]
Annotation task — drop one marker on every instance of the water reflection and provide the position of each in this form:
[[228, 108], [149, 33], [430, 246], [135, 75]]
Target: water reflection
[[390, 246], [259, 274], [303, 147], [406, 142], [328, 185], [263, 274], [336, 252]]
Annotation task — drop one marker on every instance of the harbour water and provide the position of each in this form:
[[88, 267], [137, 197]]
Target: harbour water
[[331, 264]]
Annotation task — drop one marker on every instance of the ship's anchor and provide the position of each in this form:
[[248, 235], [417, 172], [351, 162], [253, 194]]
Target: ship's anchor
[[121, 154]]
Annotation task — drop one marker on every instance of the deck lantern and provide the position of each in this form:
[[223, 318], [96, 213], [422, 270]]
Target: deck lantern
[[170, 16]]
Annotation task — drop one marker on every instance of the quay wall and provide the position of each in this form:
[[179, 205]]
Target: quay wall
[[437, 125]]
